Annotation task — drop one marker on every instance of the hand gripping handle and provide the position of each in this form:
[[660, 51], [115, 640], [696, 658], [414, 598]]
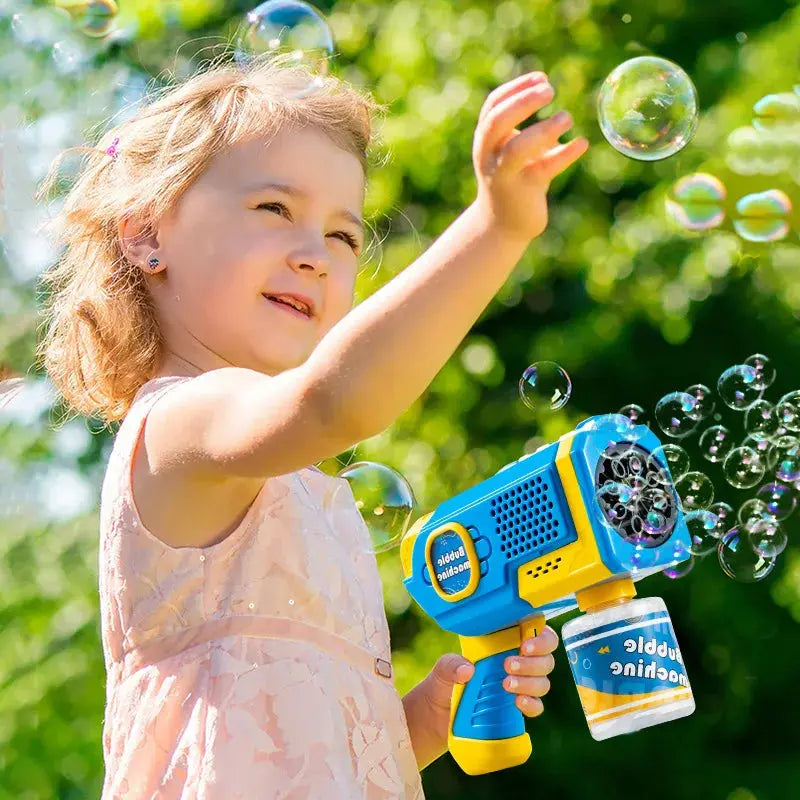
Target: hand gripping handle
[[487, 730]]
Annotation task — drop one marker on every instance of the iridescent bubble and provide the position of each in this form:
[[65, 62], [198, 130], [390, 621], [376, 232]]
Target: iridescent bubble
[[788, 408], [765, 372], [288, 27], [698, 202], [738, 388], [673, 414], [636, 414], [743, 468], [738, 559], [761, 420], [724, 516], [767, 538], [776, 111], [702, 525], [695, 491], [647, 108], [384, 498], [763, 216], [784, 457], [545, 385], [680, 570], [751, 512], [703, 401], [715, 443], [761, 446], [672, 456], [779, 499]]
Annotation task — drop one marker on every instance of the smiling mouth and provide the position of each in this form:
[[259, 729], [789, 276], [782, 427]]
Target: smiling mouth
[[287, 308]]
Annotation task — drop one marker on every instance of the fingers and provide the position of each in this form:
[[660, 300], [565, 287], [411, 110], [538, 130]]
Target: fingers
[[532, 687], [530, 665], [508, 89], [545, 642], [535, 141], [560, 157], [500, 123]]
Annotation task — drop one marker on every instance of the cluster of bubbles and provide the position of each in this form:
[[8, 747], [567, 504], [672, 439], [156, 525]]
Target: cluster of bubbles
[[747, 542]]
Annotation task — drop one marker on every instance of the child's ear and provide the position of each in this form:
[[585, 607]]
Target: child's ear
[[139, 243]]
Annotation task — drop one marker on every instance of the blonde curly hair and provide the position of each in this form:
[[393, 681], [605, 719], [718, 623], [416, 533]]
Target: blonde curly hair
[[101, 340]]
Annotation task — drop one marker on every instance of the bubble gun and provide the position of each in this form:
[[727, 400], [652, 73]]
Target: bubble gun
[[545, 534]]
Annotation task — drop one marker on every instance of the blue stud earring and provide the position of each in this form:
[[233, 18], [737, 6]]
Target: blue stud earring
[[153, 263]]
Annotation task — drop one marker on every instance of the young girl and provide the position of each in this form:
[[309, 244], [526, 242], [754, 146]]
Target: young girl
[[204, 297]]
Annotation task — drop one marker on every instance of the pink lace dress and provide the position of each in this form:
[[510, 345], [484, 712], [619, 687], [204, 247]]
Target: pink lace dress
[[256, 668]]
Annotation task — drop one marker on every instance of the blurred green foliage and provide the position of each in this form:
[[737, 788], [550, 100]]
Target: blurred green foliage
[[628, 304]]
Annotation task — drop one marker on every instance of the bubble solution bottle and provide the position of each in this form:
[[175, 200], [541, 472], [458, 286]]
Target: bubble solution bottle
[[625, 660]]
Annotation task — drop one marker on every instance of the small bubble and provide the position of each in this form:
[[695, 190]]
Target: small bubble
[[674, 414], [741, 37], [738, 388], [702, 525], [545, 385], [715, 443], [647, 108], [291, 601], [251, 605], [738, 559], [765, 372], [724, 518], [788, 409], [680, 570], [763, 216], [761, 420], [627, 18], [784, 457], [767, 538], [743, 468], [695, 491], [752, 511], [697, 202], [703, 401], [636, 414], [779, 500], [202, 558], [95, 18]]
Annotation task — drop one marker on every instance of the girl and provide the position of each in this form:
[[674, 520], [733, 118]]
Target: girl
[[204, 297]]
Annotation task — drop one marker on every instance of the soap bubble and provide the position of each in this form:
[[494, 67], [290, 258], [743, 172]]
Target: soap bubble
[[763, 216], [702, 525], [384, 498], [291, 27], [636, 414], [738, 388], [738, 559], [724, 515], [751, 512], [703, 401], [788, 408], [767, 538], [761, 446], [776, 111], [680, 570], [697, 202], [673, 414], [617, 501], [647, 108], [743, 468], [95, 18], [765, 372], [669, 455], [638, 559], [761, 420], [655, 509], [715, 443], [695, 491], [779, 499], [545, 385], [784, 457]]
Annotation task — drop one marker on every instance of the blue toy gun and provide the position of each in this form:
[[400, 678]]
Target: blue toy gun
[[536, 539]]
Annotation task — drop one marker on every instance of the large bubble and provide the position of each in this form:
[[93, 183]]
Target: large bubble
[[703, 401], [767, 538], [761, 420], [670, 455], [765, 372], [647, 108], [779, 499], [697, 202], [288, 27], [788, 408], [738, 387], [545, 385], [702, 525], [739, 560], [695, 490], [384, 498], [783, 457]]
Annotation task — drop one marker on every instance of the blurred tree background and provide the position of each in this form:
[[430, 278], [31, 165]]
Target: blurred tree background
[[628, 303]]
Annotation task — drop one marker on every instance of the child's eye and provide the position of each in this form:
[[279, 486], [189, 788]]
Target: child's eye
[[351, 240]]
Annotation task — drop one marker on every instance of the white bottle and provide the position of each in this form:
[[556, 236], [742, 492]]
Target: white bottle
[[626, 662]]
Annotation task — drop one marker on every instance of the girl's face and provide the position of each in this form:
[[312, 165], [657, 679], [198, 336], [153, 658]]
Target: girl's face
[[232, 238]]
